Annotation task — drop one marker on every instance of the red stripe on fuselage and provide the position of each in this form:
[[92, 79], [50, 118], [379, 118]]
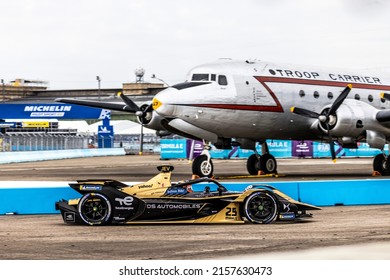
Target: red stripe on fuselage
[[241, 107], [266, 79], [278, 108]]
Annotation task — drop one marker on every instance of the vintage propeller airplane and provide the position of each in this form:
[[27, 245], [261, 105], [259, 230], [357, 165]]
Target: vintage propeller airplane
[[240, 103]]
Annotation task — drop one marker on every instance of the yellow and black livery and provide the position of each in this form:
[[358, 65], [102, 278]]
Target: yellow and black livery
[[158, 201]]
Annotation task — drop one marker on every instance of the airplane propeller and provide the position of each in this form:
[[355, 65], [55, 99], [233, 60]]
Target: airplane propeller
[[385, 96], [143, 112], [327, 117], [130, 105]]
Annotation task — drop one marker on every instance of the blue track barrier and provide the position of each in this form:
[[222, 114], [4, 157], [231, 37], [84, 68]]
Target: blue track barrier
[[23, 197]]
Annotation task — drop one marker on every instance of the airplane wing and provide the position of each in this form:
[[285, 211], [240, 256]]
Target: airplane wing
[[99, 104]]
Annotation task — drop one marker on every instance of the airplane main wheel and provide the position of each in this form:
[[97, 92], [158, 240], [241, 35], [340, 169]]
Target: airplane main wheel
[[260, 208], [268, 164], [95, 209], [203, 167], [252, 165], [381, 164]]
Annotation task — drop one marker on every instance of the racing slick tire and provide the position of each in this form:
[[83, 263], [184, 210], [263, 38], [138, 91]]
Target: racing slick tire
[[268, 164], [95, 209], [260, 208], [252, 165], [381, 164], [203, 167]]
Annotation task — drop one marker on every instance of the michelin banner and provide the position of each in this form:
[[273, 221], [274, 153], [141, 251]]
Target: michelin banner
[[47, 111], [189, 149]]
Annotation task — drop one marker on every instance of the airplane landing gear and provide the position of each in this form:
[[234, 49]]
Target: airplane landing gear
[[381, 164], [203, 165], [265, 163]]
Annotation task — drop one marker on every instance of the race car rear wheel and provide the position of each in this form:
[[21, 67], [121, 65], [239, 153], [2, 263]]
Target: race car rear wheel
[[95, 209], [260, 208]]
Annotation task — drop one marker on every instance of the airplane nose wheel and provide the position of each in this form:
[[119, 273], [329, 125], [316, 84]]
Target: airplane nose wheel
[[203, 166]]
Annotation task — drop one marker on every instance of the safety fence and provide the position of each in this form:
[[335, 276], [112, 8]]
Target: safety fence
[[133, 144], [149, 143], [42, 142]]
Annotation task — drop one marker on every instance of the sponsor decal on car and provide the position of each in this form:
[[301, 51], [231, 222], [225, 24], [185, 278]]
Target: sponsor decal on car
[[287, 216], [286, 207], [176, 206], [90, 187], [172, 191], [70, 217], [125, 203], [145, 187]]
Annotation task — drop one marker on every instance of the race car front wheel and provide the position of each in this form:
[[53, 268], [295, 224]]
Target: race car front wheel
[[260, 208], [95, 209]]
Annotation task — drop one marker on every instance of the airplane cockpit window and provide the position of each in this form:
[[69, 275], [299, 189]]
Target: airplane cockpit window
[[222, 80], [200, 77]]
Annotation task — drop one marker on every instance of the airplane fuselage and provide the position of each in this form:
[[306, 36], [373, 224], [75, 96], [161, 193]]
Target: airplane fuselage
[[252, 100]]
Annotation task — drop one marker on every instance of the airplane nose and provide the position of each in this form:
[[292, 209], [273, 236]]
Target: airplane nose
[[161, 104], [156, 103]]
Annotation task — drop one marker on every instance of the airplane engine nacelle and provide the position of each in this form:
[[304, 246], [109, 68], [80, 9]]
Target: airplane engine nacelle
[[352, 118], [150, 119]]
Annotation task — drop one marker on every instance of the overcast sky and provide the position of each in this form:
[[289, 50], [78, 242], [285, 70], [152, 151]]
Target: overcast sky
[[69, 43]]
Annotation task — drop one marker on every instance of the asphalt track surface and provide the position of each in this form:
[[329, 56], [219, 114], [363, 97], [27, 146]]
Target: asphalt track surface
[[343, 232], [140, 168]]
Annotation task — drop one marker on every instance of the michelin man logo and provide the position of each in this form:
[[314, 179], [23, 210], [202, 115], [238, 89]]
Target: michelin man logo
[[105, 114]]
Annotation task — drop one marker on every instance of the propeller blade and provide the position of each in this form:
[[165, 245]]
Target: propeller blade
[[339, 100], [331, 144], [131, 106], [304, 112], [385, 96], [332, 150], [149, 108]]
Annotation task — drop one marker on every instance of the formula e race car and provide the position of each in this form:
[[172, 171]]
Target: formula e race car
[[158, 201]]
